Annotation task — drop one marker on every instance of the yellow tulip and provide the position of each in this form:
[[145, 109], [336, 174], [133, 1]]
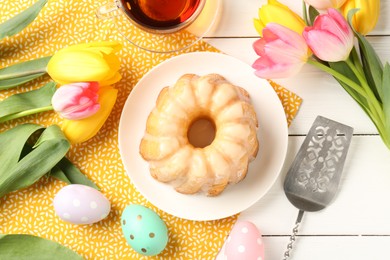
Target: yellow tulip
[[78, 131], [364, 20], [275, 12], [96, 61]]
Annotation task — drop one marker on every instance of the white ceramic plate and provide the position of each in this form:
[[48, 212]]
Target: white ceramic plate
[[263, 171]]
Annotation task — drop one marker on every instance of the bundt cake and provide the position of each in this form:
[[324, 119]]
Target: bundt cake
[[201, 135]]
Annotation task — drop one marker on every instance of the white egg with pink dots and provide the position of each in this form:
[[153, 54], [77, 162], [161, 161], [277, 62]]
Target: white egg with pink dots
[[80, 204], [244, 242]]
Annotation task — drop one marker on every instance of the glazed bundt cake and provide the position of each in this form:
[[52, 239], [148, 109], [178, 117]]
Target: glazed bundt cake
[[181, 152]]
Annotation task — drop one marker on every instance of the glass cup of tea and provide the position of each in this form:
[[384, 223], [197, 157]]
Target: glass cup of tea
[[159, 25]]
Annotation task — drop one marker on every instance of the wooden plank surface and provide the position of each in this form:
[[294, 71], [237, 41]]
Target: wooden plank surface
[[356, 225], [329, 247], [361, 206]]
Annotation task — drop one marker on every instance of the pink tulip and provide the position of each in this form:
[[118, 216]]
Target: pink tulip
[[330, 38], [76, 100], [282, 52], [325, 4]]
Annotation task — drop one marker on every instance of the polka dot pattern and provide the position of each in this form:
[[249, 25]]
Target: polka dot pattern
[[76, 203], [93, 205], [244, 242], [30, 211], [144, 230], [73, 204]]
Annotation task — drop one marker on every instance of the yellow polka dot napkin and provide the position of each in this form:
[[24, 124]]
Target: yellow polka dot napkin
[[30, 211]]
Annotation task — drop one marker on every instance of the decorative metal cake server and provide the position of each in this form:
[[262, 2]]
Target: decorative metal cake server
[[314, 176]]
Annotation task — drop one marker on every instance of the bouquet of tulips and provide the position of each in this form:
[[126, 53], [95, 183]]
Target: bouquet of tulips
[[80, 92], [330, 36]]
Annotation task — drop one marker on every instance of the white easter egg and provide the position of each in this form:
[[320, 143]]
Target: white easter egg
[[80, 204], [244, 242]]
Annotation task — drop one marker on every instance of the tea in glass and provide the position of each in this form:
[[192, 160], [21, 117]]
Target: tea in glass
[[162, 15]]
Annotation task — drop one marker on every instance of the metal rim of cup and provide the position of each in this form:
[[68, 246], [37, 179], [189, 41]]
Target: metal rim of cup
[[166, 30]]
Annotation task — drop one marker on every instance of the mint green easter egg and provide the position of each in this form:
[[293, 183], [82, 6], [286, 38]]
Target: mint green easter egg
[[144, 230]]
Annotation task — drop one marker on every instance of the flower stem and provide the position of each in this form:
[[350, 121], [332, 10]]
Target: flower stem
[[375, 106], [374, 110], [370, 97], [356, 60], [25, 113], [337, 75]]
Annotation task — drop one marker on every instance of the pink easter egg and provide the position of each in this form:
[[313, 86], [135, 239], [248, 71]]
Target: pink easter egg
[[244, 242]]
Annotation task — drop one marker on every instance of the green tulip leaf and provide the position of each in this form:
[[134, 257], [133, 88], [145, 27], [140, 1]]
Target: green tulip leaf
[[357, 97], [12, 143], [313, 13], [22, 72], [26, 103], [344, 69], [14, 147], [18, 172], [65, 171], [29, 247], [21, 20], [57, 173], [372, 65], [338, 66], [386, 100], [69, 173]]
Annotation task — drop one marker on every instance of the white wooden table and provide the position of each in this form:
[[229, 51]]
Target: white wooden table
[[356, 225]]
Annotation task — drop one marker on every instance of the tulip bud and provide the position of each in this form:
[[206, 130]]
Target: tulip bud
[[275, 12], [330, 38], [78, 131], [364, 20], [282, 52], [96, 61], [77, 100]]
